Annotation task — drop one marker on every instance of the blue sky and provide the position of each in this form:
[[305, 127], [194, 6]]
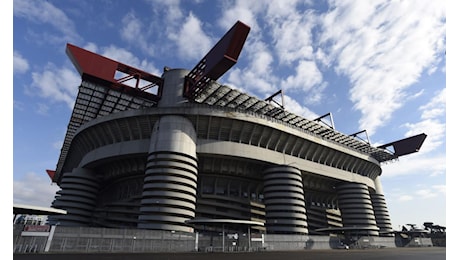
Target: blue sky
[[378, 66]]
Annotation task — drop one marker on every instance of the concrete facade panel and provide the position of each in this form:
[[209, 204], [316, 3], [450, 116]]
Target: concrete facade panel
[[186, 180], [152, 202], [264, 155], [116, 150]]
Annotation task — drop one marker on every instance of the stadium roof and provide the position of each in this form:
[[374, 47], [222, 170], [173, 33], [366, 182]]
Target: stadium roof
[[36, 210], [101, 94], [95, 100], [347, 229], [225, 221]]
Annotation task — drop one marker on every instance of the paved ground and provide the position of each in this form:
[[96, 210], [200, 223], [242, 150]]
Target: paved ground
[[424, 253]]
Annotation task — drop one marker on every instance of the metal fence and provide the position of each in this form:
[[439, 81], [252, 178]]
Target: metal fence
[[86, 239], [82, 239]]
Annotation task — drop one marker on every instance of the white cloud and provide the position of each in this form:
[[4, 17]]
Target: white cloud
[[425, 193], [436, 107], [262, 61], [167, 17], [252, 83], [92, 47], [416, 164], [55, 84], [34, 189], [47, 13], [425, 204], [441, 189], [282, 9], [428, 161], [20, 65], [293, 106], [244, 11], [123, 56], [432, 123], [435, 131], [171, 8], [42, 109], [61, 84], [133, 31], [257, 76], [322, 58], [192, 42], [58, 144], [422, 192], [405, 198], [307, 75], [18, 105], [291, 32], [383, 47]]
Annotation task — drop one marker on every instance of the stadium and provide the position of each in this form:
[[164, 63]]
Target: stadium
[[181, 153]]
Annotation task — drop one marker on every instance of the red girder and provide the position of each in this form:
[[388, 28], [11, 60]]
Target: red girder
[[407, 145], [99, 68], [51, 174], [218, 60]]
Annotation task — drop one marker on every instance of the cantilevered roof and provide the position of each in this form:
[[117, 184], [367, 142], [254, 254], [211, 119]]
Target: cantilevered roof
[[221, 95], [407, 145], [36, 210], [347, 229], [225, 221], [94, 100], [102, 92]]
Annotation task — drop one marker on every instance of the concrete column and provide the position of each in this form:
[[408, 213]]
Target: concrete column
[[173, 88], [77, 196], [170, 182], [356, 208], [382, 216], [285, 211]]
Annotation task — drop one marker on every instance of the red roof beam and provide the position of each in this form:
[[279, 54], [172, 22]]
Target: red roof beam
[[218, 60], [97, 67], [407, 145], [51, 174], [225, 53]]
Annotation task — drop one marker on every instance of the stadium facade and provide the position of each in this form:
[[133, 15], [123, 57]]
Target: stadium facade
[[182, 152]]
